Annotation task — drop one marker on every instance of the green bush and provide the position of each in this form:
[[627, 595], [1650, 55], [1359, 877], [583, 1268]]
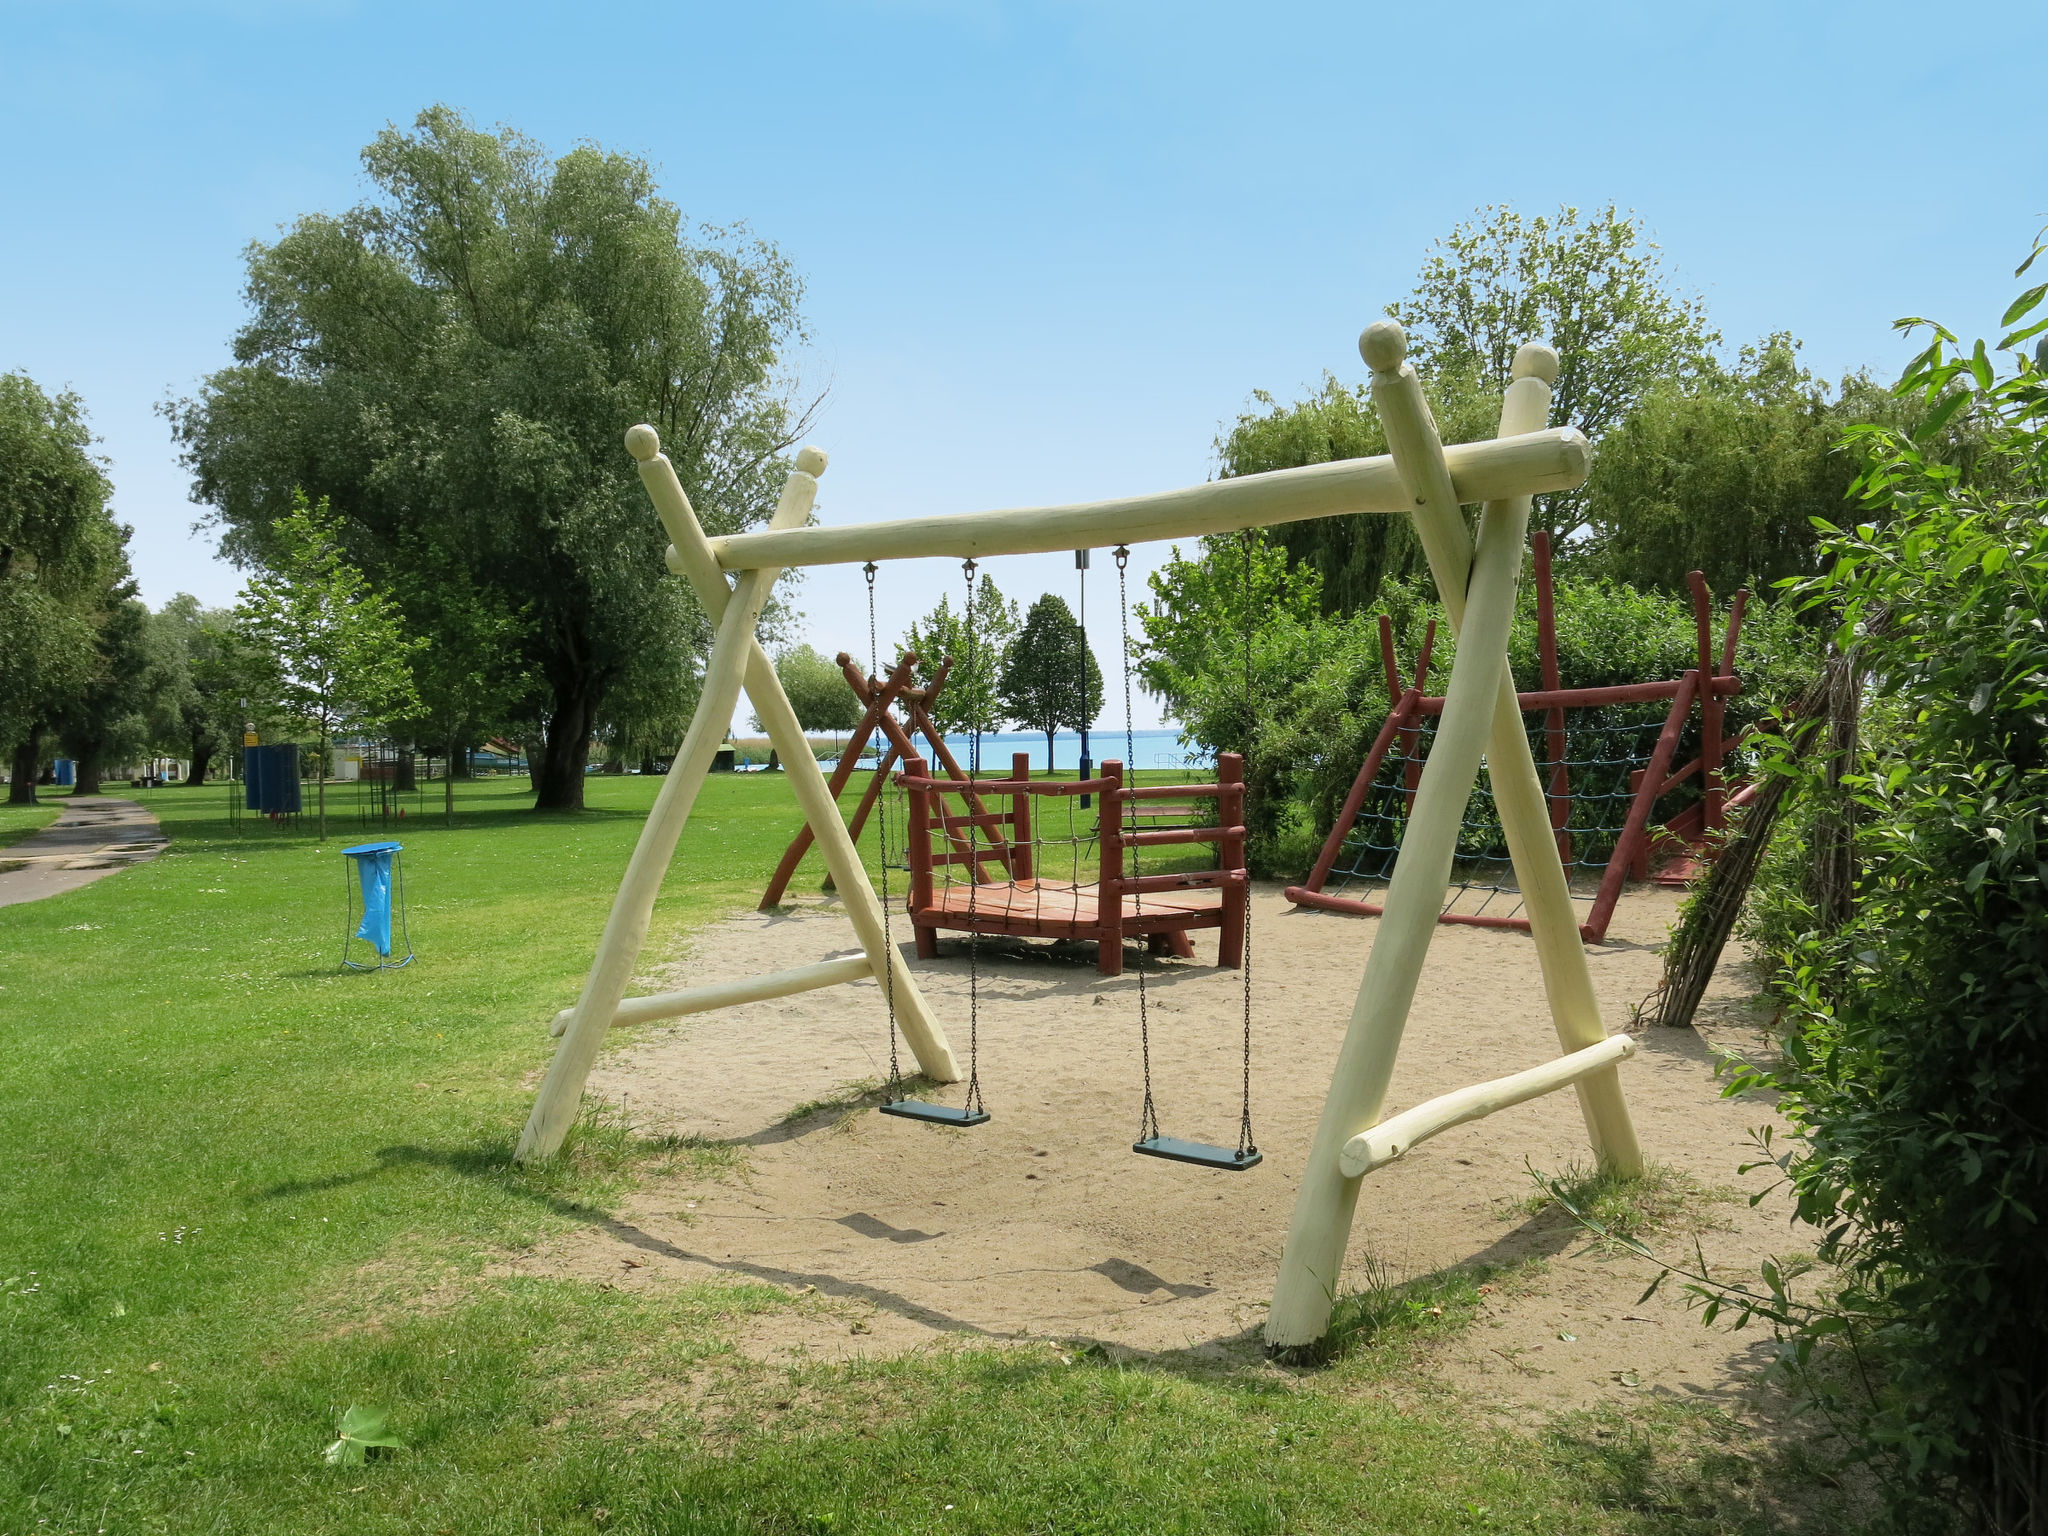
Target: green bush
[[1915, 1071]]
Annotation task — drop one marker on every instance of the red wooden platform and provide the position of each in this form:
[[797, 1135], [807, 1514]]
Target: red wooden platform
[[1162, 907]]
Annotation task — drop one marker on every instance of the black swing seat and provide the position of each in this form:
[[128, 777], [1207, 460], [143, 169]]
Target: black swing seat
[[936, 1114], [1200, 1153]]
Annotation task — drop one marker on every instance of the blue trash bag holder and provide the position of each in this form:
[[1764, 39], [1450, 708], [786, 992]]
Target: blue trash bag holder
[[374, 878]]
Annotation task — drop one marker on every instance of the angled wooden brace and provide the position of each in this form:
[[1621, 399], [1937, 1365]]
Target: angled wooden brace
[[736, 658]]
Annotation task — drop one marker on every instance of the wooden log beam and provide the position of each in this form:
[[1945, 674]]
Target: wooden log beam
[[729, 994], [1397, 1136], [690, 556], [1532, 463]]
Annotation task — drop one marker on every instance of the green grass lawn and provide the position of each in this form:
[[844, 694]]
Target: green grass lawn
[[246, 1192], [19, 821]]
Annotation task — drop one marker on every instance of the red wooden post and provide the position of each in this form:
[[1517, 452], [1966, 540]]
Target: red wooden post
[[920, 846], [1560, 790], [1020, 818], [1737, 606], [1393, 668], [1635, 830], [1109, 894], [1354, 801], [873, 793], [922, 722], [1712, 706], [1411, 774], [877, 697], [1230, 803]]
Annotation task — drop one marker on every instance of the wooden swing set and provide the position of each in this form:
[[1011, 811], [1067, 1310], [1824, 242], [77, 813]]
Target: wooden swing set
[[1481, 717]]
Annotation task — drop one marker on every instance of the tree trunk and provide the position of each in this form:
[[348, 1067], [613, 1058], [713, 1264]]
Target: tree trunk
[[86, 779], [1048, 752], [202, 759], [448, 789], [565, 754], [320, 794], [28, 753], [405, 778]]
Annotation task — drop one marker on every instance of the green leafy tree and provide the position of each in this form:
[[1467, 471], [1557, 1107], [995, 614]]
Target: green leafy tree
[[1351, 555], [104, 721], [471, 675], [202, 678], [970, 700], [333, 646], [1733, 473], [1050, 680], [817, 691], [60, 554], [1592, 286], [1916, 1061], [456, 360]]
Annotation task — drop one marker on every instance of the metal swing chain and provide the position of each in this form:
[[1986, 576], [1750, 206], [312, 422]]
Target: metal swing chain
[[1148, 1117], [1246, 1146], [972, 1103], [882, 836]]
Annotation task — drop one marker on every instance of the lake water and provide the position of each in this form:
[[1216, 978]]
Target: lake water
[[1148, 749]]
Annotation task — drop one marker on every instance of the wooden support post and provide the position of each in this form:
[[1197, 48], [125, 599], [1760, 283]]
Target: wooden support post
[[625, 930], [1554, 742], [1109, 885], [1712, 707], [1481, 717], [1230, 812], [918, 842], [1635, 827], [1020, 819], [1411, 738]]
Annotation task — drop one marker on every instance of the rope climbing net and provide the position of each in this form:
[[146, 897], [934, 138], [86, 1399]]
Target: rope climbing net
[[1600, 753]]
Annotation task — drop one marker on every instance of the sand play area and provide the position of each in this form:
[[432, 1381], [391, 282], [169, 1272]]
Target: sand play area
[[1043, 1224]]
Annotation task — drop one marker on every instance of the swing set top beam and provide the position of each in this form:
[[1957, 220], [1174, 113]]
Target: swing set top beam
[[1530, 464]]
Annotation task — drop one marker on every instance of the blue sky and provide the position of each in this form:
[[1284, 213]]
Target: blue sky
[[1049, 247]]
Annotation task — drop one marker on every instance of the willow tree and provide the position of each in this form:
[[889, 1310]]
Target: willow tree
[[62, 568], [452, 363]]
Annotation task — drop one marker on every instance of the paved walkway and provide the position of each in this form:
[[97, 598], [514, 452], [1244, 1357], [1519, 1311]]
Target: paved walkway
[[93, 837]]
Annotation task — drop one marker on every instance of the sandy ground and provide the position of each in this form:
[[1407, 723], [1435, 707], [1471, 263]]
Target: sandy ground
[[93, 837], [1042, 1224]]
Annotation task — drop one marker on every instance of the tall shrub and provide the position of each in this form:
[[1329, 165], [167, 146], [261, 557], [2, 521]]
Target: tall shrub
[[1916, 1069]]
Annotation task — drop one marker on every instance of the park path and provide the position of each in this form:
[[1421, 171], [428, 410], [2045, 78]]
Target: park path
[[93, 837]]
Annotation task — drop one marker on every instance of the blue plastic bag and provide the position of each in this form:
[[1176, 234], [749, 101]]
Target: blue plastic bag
[[373, 874]]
